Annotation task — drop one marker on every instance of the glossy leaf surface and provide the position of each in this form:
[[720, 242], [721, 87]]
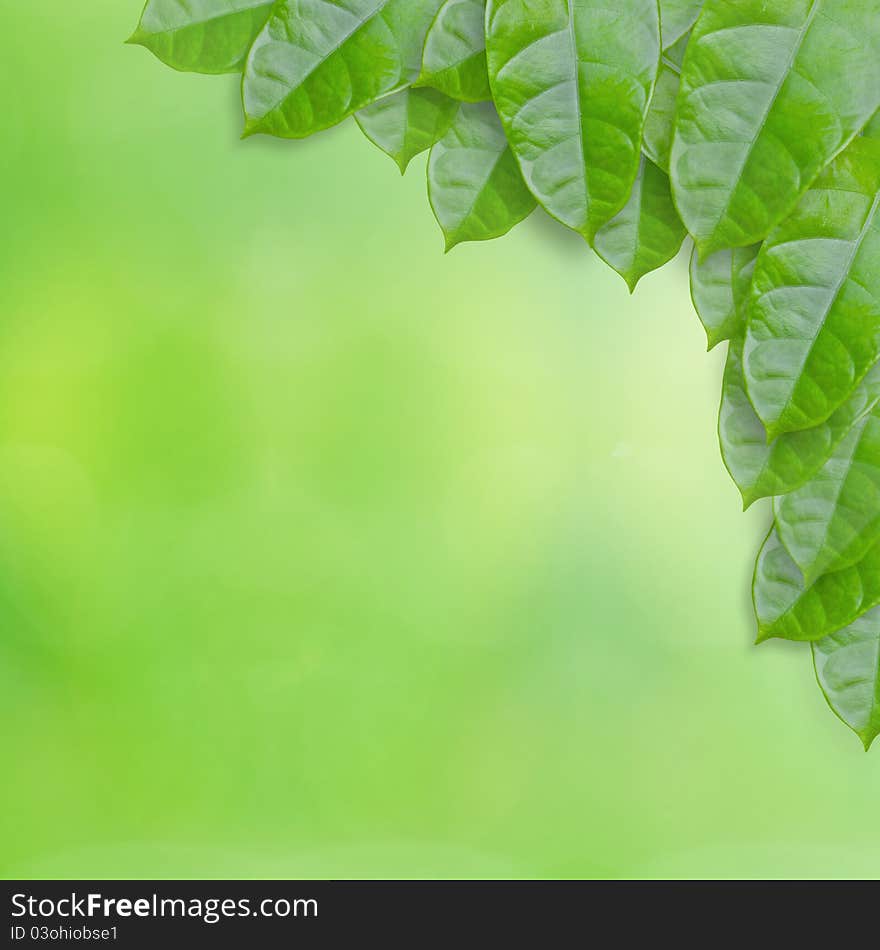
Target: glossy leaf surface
[[474, 184], [572, 81], [454, 60], [788, 607], [318, 61], [834, 519], [720, 287], [676, 18], [770, 93], [647, 233], [407, 123], [761, 470], [814, 320], [202, 36], [848, 670]]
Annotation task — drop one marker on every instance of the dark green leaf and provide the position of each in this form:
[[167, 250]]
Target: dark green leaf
[[474, 184], [848, 669], [770, 93], [572, 83], [814, 320], [761, 470], [318, 61], [647, 233], [202, 36], [454, 60], [787, 607], [407, 123]]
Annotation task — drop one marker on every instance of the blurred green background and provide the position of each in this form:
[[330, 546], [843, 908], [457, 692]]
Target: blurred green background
[[323, 554]]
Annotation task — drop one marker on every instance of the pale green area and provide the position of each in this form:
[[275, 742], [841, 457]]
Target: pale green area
[[324, 554]]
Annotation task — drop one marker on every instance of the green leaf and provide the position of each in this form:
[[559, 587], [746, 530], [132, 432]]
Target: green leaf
[[660, 121], [318, 61], [407, 123], [814, 320], [647, 233], [872, 129], [454, 60], [720, 291], [677, 17], [789, 608], [202, 36], [848, 670], [572, 81], [834, 519], [770, 93], [761, 470], [474, 185]]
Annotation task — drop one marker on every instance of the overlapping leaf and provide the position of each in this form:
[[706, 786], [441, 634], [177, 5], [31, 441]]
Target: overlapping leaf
[[647, 233], [454, 60], [677, 17], [770, 93], [762, 469], [660, 121], [318, 61], [474, 184], [848, 670], [834, 519], [792, 609], [407, 123], [814, 321], [203, 36], [572, 80], [720, 287], [766, 118]]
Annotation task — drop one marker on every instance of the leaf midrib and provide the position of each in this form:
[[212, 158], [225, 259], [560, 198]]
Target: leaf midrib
[[838, 288], [725, 212], [820, 562], [323, 59]]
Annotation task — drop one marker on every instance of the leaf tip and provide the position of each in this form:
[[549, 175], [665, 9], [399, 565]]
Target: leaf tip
[[712, 339], [451, 242], [251, 127], [749, 497], [763, 636]]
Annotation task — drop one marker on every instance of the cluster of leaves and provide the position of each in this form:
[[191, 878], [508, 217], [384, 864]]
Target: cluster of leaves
[[749, 126]]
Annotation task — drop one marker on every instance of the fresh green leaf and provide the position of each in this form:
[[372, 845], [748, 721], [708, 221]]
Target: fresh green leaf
[[318, 61], [848, 670], [454, 60], [572, 81], [474, 184], [789, 608], [762, 470], [407, 123], [202, 36], [872, 129], [834, 519], [660, 121], [647, 233], [814, 320], [770, 93], [677, 17], [720, 291]]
